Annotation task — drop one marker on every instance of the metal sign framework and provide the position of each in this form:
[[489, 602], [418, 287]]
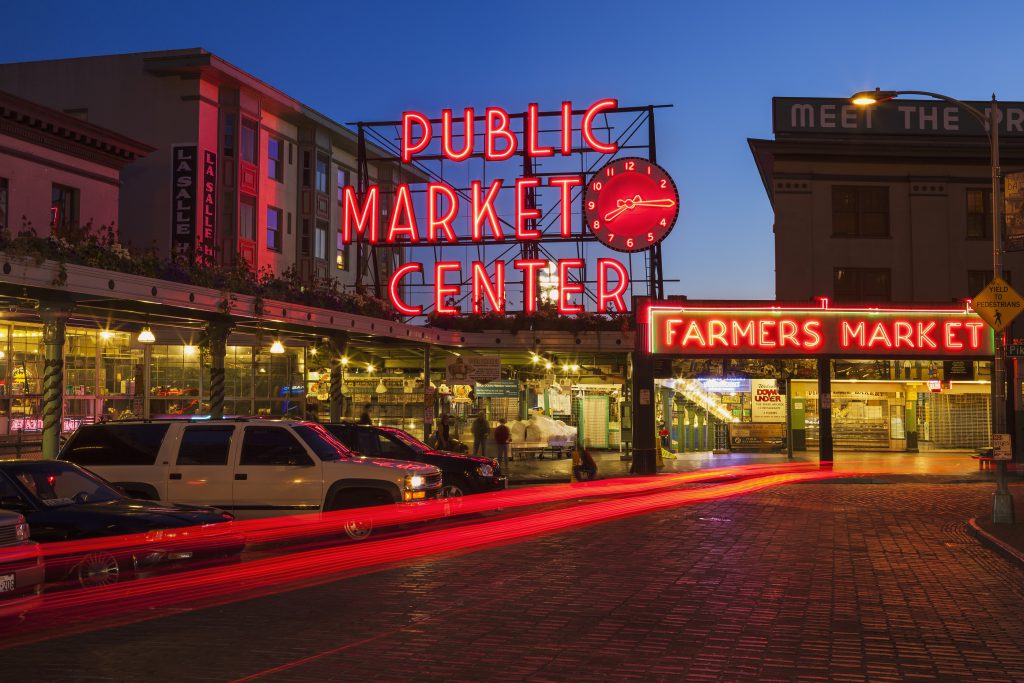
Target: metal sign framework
[[632, 128]]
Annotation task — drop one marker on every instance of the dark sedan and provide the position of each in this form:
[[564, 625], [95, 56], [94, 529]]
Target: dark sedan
[[461, 474], [64, 502]]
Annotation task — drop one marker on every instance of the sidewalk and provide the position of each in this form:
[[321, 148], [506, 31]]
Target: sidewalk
[[1006, 539]]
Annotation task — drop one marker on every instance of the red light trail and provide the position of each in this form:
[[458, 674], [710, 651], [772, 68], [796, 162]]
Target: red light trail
[[104, 606]]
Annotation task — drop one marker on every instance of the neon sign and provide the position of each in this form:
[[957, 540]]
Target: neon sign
[[777, 331], [644, 209]]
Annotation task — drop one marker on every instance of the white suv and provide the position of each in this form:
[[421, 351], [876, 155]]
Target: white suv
[[255, 468]]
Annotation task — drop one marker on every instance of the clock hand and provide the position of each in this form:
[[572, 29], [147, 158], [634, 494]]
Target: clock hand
[[630, 203]]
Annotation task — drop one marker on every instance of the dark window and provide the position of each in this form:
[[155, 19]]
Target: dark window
[[248, 143], [205, 446], [367, 442], [273, 228], [305, 237], [860, 211], [389, 448], [63, 208], [272, 446], [307, 163], [978, 279], [979, 214], [342, 182], [3, 204], [10, 497], [320, 241], [321, 174], [247, 218], [275, 165], [322, 442], [229, 135], [111, 444], [862, 284]]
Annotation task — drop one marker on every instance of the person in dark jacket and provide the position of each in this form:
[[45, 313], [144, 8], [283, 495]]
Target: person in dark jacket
[[364, 419], [502, 437], [444, 434], [481, 428], [583, 464]]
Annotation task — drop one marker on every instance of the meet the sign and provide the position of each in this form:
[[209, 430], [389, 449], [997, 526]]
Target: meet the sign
[[851, 333], [894, 117]]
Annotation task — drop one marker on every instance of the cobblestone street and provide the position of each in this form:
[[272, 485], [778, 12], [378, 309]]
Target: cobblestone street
[[808, 582]]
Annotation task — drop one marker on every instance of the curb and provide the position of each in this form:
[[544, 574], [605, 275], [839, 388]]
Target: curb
[[1007, 551]]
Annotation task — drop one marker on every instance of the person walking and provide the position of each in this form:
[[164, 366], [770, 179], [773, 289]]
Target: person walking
[[364, 419], [444, 434], [502, 437], [481, 428]]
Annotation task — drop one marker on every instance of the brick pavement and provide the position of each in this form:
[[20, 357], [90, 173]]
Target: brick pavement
[[809, 582]]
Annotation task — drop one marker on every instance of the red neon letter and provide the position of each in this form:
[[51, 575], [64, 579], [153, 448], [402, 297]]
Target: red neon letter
[[566, 128], [442, 290], [787, 332], [444, 222], [408, 148], [484, 211], [614, 297], [741, 332], [533, 147], [403, 219], [467, 134], [565, 185], [812, 328], [974, 327], [350, 213], [587, 127], [565, 288], [904, 333], [951, 341], [716, 332], [393, 284], [849, 334], [522, 212], [530, 268], [924, 335], [482, 285], [498, 127]]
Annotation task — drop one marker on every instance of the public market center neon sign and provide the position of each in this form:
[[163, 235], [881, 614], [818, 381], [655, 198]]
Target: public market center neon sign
[[779, 331], [649, 218]]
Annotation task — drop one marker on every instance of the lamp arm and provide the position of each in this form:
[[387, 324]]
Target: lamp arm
[[977, 113]]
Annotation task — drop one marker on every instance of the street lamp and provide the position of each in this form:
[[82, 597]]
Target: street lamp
[[1002, 501]]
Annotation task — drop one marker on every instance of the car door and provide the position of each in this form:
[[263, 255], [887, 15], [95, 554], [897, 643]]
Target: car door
[[275, 474], [390, 447], [200, 473]]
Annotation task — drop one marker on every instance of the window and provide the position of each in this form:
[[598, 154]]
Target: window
[[250, 136], [304, 238], [979, 214], [978, 279], [205, 446], [860, 211], [321, 174], [10, 497], [273, 229], [124, 444], [320, 243], [3, 204], [323, 443], [229, 135], [862, 284], [272, 446], [342, 182], [306, 163], [63, 208], [275, 162], [247, 218], [390, 448], [341, 259]]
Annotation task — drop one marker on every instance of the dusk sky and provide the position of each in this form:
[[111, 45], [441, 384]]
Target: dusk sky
[[718, 64]]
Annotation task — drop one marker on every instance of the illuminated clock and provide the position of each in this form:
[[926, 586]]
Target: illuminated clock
[[631, 204]]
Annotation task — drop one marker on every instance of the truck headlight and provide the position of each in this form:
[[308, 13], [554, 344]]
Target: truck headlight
[[416, 481]]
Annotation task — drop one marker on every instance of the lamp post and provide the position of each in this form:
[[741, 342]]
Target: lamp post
[[1002, 501]]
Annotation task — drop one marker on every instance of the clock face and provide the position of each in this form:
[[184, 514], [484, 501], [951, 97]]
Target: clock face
[[631, 204]]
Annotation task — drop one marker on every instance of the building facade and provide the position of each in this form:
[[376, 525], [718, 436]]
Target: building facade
[[240, 170]]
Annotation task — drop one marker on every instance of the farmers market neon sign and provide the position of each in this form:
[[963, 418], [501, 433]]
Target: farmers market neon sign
[[461, 139], [778, 331]]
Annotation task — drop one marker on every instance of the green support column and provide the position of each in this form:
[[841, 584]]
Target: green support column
[[692, 417], [910, 421], [217, 333], [702, 431], [798, 423], [55, 320]]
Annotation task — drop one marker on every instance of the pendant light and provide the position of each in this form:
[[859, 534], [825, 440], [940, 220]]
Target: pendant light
[[146, 336], [277, 347]]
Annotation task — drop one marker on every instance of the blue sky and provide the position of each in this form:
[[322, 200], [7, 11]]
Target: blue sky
[[718, 63]]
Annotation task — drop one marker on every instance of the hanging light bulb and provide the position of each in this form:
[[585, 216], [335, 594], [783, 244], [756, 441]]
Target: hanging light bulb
[[370, 368], [344, 360], [106, 335], [146, 336], [277, 347]]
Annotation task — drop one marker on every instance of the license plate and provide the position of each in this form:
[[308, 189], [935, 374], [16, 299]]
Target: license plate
[[6, 583]]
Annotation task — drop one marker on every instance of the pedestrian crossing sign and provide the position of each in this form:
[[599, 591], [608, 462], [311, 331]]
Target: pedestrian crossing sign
[[998, 304]]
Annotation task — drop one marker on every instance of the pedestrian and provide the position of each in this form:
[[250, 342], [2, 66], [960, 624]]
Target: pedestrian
[[444, 434], [364, 419], [583, 464], [312, 413], [481, 428], [502, 437]]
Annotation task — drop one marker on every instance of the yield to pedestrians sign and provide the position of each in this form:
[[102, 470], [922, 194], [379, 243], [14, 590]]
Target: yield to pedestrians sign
[[998, 304]]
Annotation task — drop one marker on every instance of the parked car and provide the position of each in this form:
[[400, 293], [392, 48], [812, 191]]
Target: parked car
[[21, 562], [253, 467], [63, 502], [462, 474]]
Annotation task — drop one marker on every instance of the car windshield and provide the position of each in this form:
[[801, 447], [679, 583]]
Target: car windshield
[[322, 442], [408, 439], [55, 484]]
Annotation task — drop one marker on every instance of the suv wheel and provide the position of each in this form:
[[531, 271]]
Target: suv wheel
[[97, 569], [349, 500], [455, 487]]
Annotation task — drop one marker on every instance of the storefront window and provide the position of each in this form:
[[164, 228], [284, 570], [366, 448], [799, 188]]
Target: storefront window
[[26, 361], [175, 381], [121, 377], [238, 371], [279, 384]]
